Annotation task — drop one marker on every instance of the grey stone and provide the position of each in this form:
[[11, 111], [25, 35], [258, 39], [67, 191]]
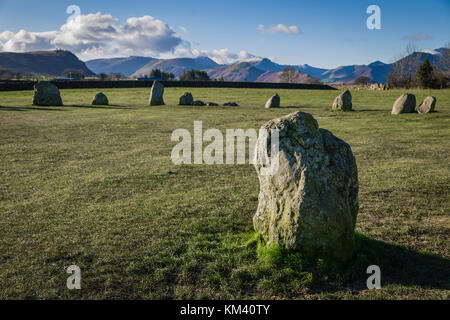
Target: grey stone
[[406, 103], [343, 102], [100, 99], [212, 104], [427, 105], [273, 102], [198, 103], [310, 203], [230, 104], [186, 99], [46, 94], [156, 94]]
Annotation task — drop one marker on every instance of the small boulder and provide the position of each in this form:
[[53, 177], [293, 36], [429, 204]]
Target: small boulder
[[156, 94], [406, 103], [230, 104], [273, 102], [343, 102], [309, 202], [100, 99], [186, 99], [212, 104], [198, 103], [427, 105], [46, 94]]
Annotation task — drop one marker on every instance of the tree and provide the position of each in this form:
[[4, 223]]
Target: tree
[[312, 80], [74, 74], [424, 74], [402, 73], [194, 75], [362, 80], [102, 76], [156, 73], [289, 75]]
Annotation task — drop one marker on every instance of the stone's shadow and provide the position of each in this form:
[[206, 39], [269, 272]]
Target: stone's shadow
[[398, 265], [2, 108], [89, 106], [295, 107]]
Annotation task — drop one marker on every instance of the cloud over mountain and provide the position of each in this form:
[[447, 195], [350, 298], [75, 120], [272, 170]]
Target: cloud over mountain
[[101, 35]]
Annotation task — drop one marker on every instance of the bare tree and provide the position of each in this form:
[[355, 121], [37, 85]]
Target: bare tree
[[403, 68], [289, 75]]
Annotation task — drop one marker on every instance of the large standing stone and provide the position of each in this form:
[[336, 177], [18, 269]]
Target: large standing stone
[[186, 99], [310, 203], [427, 105], [100, 99], [343, 102], [273, 102], [156, 94], [46, 94], [406, 103]]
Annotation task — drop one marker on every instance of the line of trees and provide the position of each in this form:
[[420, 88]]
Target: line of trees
[[194, 75], [408, 72]]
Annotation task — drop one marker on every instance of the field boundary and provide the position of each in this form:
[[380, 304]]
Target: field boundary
[[15, 85]]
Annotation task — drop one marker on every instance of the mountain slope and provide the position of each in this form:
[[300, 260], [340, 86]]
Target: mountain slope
[[126, 66], [242, 71], [176, 66], [43, 62]]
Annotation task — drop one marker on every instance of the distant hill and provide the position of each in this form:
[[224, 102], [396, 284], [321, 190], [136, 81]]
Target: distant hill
[[254, 69], [126, 66], [176, 66], [43, 62], [242, 71]]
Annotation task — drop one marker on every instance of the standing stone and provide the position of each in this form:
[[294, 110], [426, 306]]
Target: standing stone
[[273, 102], [310, 203], [186, 99], [100, 99], [46, 94], [343, 102], [156, 94], [406, 103], [427, 105]]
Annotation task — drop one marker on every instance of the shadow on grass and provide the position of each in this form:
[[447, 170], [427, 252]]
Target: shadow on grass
[[2, 108], [111, 106], [289, 271], [398, 265]]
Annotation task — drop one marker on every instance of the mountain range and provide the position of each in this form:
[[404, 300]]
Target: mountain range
[[254, 69], [43, 62]]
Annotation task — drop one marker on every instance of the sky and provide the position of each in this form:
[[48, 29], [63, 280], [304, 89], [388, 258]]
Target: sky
[[323, 33]]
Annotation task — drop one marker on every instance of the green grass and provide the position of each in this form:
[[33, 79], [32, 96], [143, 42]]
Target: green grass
[[95, 187]]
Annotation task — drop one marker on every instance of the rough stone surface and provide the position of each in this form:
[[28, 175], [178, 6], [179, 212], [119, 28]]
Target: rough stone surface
[[186, 99], [230, 104], [406, 103], [46, 94], [310, 203], [212, 104], [198, 103], [343, 101], [273, 102], [100, 99], [156, 94], [427, 105]]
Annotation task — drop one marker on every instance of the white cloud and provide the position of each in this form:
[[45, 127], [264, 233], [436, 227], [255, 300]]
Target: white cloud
[[101, 36], [417, 37], [280, 28], [97, 35]]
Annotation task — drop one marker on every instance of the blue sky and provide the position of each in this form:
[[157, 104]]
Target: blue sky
[[331, 33]]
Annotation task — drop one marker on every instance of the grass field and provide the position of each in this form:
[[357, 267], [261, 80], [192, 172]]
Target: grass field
[[95, 187]]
